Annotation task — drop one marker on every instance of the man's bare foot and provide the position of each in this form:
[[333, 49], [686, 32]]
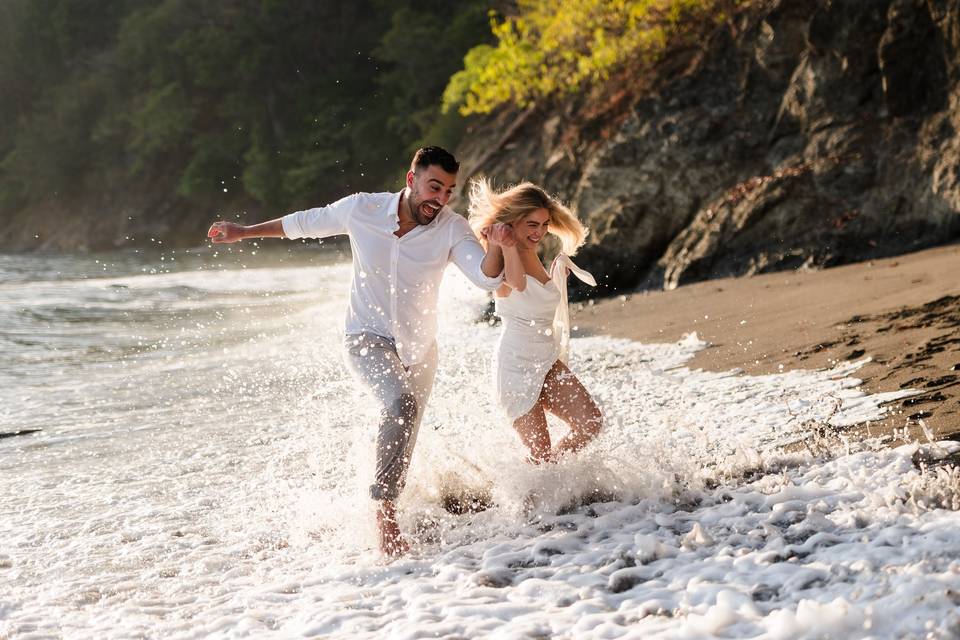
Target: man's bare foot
[[392, 543]]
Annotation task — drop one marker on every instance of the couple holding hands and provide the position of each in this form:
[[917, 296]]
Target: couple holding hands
[[401, 243]]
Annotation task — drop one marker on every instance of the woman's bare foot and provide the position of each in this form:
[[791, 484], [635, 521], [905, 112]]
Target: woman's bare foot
[[392, 543]]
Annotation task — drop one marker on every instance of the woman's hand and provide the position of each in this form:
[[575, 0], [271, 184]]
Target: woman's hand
[[500, 234], [503, 235]]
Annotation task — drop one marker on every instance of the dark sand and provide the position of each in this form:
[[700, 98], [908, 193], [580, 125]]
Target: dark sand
[[902, 312]]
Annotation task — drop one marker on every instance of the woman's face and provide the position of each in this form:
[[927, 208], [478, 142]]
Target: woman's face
[[531, 228]]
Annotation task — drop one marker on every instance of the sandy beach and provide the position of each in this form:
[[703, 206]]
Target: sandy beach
[[902, 312]]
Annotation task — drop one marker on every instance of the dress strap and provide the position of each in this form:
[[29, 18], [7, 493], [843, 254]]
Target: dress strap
[[561, 268]]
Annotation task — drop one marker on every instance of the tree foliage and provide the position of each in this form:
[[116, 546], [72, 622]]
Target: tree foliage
[[549, 48], [278, 102]]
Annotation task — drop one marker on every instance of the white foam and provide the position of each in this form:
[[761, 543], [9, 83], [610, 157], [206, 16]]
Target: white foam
[[218, 489]]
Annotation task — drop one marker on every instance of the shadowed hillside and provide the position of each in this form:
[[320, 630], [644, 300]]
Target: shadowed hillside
[[128, 122]]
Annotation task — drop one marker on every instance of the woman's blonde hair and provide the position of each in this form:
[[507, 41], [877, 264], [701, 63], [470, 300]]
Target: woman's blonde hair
[[489, 206]]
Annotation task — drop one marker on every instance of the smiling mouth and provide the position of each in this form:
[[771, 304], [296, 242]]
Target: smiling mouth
[[429, 210]]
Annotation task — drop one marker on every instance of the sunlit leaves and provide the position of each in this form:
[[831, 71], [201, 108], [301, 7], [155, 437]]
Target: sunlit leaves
[[550, 47]]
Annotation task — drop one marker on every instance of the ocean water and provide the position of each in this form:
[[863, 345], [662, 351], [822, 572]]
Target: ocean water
[[202, 459]]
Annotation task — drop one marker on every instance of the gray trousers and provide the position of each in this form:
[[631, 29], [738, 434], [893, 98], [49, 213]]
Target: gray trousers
[[401, 394]]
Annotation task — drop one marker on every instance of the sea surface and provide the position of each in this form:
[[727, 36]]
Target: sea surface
[[193, 460]]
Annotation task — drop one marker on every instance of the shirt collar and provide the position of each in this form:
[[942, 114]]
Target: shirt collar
[[393, 213]]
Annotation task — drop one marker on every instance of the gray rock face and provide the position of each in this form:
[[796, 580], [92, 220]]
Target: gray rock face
[[808, 133]]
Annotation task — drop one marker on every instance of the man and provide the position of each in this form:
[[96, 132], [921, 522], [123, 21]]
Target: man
[[401, 243]]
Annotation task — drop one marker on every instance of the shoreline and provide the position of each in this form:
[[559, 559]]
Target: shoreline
[[901, 312]]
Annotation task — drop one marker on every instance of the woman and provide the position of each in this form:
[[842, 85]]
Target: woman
[[530, 362]]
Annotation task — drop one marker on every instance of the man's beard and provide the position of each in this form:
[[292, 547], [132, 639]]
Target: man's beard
[[417, 214]]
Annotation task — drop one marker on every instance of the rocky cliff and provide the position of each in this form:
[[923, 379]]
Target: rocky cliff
[[802, 133]]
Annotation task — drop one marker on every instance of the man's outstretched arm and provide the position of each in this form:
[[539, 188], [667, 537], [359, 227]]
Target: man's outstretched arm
[[222, 232], [320, 222]]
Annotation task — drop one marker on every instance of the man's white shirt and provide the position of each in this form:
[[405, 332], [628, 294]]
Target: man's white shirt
[[396, 281]]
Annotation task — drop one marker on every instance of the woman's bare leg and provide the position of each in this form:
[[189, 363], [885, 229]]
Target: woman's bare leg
[[565, 397], [533, 432]]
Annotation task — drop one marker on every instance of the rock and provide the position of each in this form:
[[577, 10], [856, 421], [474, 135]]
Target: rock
[[913, 75], [21, 432], [815, 133], [496, 579], [626, 579]]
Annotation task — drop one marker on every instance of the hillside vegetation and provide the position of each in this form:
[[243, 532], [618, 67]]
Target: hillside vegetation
[[549, 49], [696, 138], [127, 121], [117, 108]]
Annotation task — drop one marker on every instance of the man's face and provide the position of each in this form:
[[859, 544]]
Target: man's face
[[430, 190]]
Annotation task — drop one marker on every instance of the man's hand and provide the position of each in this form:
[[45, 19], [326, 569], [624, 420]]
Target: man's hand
[[225, 232], [500, 234]]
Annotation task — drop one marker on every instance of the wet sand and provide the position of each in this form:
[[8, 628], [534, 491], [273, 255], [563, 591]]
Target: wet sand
[[902, 312]]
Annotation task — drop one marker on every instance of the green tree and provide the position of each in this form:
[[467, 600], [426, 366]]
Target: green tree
[[549, 48], [424, 46], [219, 103]]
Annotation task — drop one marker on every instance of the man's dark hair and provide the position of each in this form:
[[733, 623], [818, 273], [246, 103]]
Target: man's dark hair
[[429, 156]]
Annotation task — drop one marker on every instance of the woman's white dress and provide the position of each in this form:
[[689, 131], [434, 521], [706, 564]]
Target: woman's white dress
[[536, 332]]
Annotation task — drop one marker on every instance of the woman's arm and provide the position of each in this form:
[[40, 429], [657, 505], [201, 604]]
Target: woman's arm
[[514, 273]]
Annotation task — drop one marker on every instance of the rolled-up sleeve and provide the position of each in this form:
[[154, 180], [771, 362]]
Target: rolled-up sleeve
[[467, 253], [320, 222]]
